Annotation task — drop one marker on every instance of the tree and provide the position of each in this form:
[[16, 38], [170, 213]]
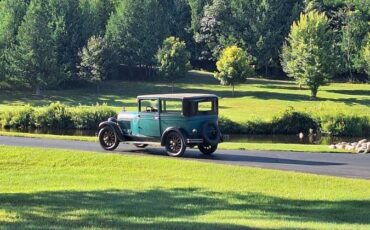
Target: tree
[[366, 55], [92, 58], [66, 22], [33, 58], [11, 16], [233, 66], [173, 59], [307, 55], [354, 30], [135, 31]]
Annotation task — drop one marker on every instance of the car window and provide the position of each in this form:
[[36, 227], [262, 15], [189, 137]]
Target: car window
[[148, 106], [205, 107], [171, 106]]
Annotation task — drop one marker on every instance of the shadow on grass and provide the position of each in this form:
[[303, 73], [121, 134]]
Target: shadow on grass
[[351, 92], [168, 209]]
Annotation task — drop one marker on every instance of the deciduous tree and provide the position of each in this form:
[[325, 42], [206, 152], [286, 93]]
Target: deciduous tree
[[233, 66], [307, 55]]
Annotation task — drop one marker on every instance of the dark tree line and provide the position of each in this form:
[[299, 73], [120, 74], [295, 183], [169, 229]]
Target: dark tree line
[[42, 42]]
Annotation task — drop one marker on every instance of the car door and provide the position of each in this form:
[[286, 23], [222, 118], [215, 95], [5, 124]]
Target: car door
[[148, 118]]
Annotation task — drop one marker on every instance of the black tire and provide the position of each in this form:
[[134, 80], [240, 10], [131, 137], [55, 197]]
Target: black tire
[[141, 146], [211, 133], [207, 149], [108, 138], [175, 144]]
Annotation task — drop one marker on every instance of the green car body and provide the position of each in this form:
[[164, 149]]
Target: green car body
[[192, 118]]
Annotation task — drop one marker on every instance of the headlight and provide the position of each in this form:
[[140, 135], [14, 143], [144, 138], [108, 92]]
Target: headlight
[[195, 131]]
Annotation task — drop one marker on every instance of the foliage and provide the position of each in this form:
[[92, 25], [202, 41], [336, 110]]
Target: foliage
[[233, 66], [173, 59], [135, 31], [55, 116], [93, 56], [366, 54], [33, 59], [293, 122], [346, 125], [307, 55]]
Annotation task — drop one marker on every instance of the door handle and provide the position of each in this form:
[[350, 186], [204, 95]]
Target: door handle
[[156, 117]]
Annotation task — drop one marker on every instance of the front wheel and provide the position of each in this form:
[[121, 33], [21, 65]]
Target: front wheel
[[207, 149], [175, 144], [108, 138]]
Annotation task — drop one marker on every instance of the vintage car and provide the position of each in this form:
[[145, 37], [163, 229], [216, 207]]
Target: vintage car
[[175, 121]]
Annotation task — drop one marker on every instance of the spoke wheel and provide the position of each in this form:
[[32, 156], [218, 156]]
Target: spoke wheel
[[108, 139], [175, 145], [207, 149]]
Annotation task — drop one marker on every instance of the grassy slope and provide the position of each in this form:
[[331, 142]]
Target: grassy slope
[[226, 145], [258, 99], [43, 188]]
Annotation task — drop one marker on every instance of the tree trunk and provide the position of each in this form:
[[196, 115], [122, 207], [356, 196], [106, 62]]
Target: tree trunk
[[97, 88], [38, 90], [314, 93], [173, 85], [233, 90]]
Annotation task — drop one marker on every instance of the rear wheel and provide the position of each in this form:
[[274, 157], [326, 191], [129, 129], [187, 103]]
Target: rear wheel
[[108, 138], [207, 149], [175, 144]]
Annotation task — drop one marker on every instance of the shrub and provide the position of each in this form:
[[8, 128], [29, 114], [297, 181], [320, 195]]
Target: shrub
[[346, 125], [55, 116], [21, 117], [84, 117], [293, 122]]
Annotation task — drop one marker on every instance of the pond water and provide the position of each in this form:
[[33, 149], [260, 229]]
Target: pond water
[[286, 139]]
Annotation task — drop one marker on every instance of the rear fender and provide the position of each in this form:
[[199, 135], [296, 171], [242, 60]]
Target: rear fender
[[114, 126], [173, 129]]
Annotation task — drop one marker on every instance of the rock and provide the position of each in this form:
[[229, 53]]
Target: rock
[[332, 146], [349, 148], [362, 141]]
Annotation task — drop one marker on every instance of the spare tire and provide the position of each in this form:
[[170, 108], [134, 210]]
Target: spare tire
[[211, 133]]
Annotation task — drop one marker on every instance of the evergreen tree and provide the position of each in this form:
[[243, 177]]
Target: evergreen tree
[[307, 55], [136, 30], [92, 58], [66, 24], [33, 59], [11, 16]]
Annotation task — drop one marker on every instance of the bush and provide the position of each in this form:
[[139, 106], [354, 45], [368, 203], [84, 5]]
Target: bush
[[346, 125], [56, 116], [84, 117], [292, 122], [19, 118]]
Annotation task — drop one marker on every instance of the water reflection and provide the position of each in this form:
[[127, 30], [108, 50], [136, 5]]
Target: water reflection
[[287, 139]]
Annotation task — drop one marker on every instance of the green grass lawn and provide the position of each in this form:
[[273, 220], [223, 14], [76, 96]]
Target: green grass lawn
[[258, 99], [44, 189]]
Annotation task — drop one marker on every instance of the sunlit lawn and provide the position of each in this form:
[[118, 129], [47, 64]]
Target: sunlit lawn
[[57, 189], [258, 99]]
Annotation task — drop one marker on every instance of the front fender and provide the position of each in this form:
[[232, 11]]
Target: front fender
[[175, 129], [114, 126]]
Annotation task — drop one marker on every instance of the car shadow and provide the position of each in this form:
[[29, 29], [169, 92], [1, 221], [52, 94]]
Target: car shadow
[[236, 158]]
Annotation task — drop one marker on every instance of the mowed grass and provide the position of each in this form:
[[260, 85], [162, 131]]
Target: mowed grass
[[258, 99], [45, 188]]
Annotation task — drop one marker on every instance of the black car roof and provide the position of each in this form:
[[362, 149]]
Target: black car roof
[[178, 96]]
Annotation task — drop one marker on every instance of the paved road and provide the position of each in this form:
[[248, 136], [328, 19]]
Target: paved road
[[343, 165]]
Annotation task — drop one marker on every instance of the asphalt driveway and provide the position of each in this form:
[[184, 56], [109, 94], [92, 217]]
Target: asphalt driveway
[[335, 164]]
